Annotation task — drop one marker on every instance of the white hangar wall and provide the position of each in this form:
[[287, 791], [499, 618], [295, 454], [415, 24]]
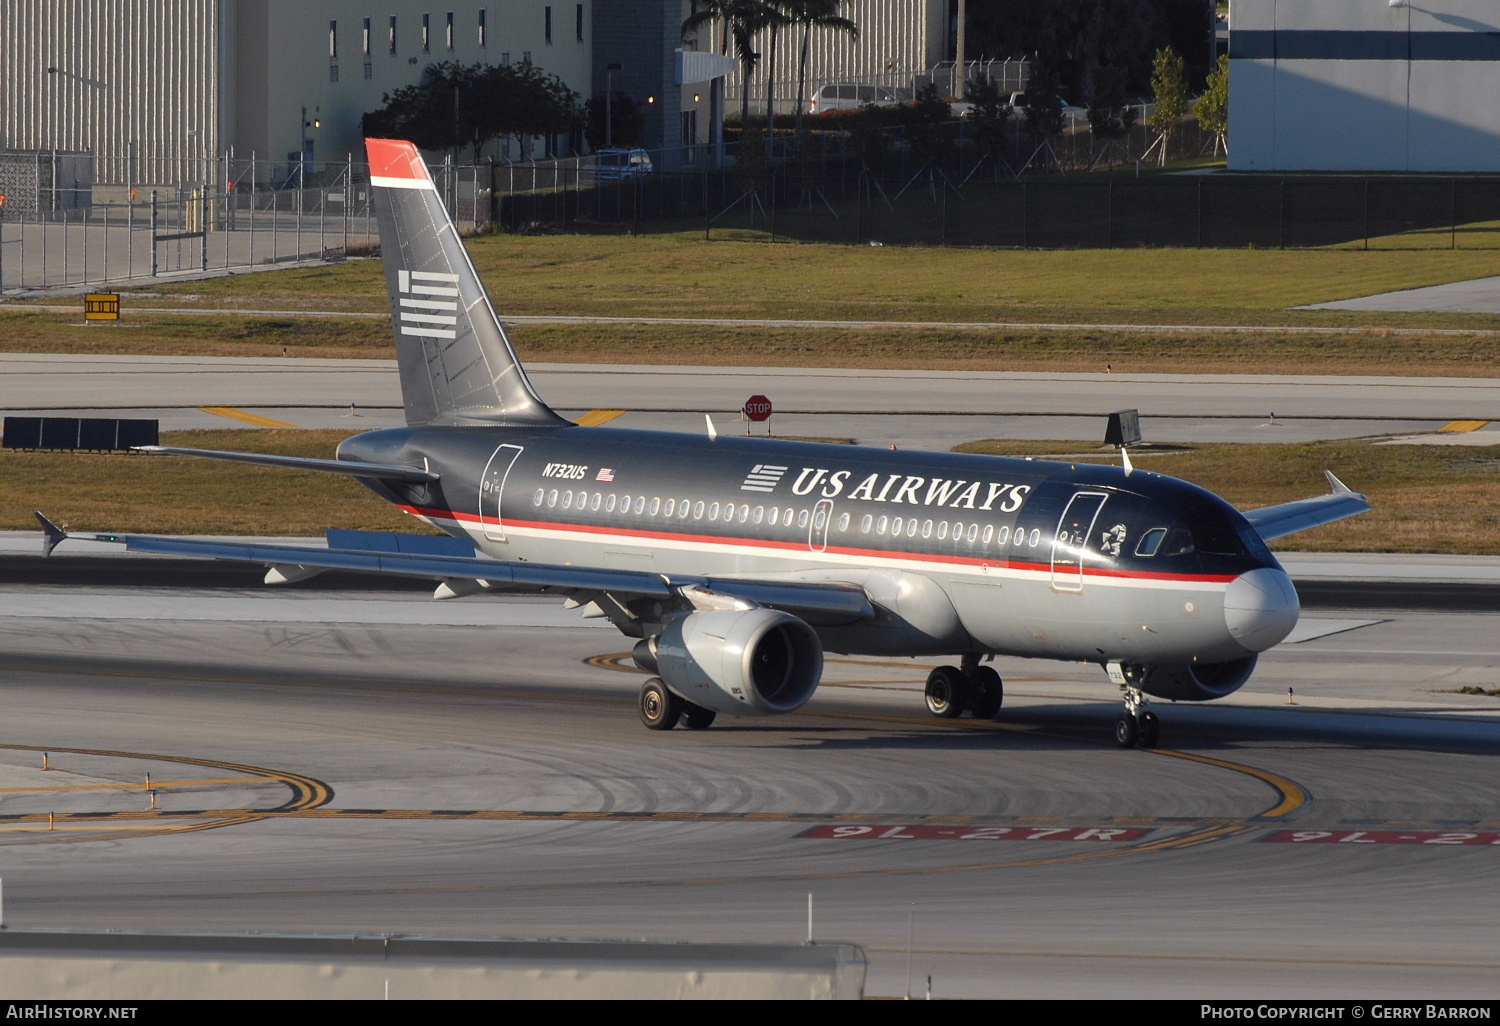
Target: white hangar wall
[[1358, 85]]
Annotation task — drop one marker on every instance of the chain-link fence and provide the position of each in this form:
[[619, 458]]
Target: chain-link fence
[[57, 229]]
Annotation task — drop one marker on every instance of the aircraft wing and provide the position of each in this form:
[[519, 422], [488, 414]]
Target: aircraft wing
[[424, 557], [1290, 517], [350, 468]]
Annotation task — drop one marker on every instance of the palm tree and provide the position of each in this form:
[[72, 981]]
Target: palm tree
[[811, 14], [735, 22]]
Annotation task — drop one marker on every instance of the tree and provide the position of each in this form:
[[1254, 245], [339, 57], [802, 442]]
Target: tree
[[1169, 86], [627, 121], [1212, 108], [811, 14], [737, 22], [471, 105], [1044, 119], [924, 120], [1110, 116], [989, 118]]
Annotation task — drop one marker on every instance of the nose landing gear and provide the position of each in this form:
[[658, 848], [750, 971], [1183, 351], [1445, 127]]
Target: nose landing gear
[[1137, 727]]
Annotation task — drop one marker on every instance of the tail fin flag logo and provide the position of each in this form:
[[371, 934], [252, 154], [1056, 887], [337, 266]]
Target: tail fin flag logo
[[429, 303], [763, 477]]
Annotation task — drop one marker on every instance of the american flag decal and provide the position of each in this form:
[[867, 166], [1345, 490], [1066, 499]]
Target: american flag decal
[[763, 477], [606, 474], [429, 303]]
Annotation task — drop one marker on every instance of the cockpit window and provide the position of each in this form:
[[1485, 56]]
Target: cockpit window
[[1150, 541], [1214, 533], [1179, 542]]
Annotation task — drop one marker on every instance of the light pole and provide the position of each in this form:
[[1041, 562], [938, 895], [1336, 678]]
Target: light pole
[[959, 81], [609, 102]]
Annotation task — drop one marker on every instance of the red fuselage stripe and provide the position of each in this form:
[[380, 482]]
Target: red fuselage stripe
[[792, 547]]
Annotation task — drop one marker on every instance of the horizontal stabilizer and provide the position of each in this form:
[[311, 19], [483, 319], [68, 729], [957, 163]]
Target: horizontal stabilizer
[[1290, 517], [350, 468]]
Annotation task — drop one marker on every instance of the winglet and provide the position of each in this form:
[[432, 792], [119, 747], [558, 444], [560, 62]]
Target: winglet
[[713, 432], [1339, 488], [53, 536]]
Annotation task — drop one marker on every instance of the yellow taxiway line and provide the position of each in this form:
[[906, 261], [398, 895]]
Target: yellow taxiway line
[[248, 418], [594, 418]]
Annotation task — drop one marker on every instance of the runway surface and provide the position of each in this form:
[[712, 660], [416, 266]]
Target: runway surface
[[1478, 295], [329, 766], [910, 409]]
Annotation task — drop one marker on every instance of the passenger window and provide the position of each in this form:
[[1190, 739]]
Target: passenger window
[[880, 527], [973, 534], [820, 519], [760, 514], [713, 511], [744, 513], [567, 500], [698, 510], [927, 529], [989, 533], [1020, 538], [537, 497], [729, 513], [942, 528], [581, 499], [640, 504], [802, 519], [552, 498], [911, 528], [669, 508], [843, 521], [609, 504], [625, 504], [655, 506], [1150, 541], [594, 502], [1036, 537], [682, 510], [897, 525], [867, 523], [1003, 536]]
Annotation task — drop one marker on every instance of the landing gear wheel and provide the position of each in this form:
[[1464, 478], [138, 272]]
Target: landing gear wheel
[[695, 717], [1150, 730], [1127, 731], [986, 693], [659, 708], [945, 692]]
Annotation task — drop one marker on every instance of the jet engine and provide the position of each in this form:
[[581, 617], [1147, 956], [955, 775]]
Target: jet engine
[[745, 662], [1191, 682]]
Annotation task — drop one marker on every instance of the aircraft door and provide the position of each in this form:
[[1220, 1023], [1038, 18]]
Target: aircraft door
[[817, 531], [492, 488], [1071, 541]]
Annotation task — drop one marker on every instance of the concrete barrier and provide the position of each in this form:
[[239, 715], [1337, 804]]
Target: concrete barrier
[[60, 965]]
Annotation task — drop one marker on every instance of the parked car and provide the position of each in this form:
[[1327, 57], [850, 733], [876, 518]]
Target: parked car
[[612, 165], [1018, 106], [852, 95]]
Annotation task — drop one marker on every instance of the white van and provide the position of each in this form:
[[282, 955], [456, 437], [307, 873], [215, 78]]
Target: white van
[[852, 95]]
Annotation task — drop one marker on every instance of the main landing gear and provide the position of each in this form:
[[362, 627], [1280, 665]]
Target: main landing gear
[[1137, 726], [978, 689], [661, 709]]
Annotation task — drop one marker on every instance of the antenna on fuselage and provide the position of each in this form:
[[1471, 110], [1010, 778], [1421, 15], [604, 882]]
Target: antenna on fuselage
[[1124, 430], [713, 432]]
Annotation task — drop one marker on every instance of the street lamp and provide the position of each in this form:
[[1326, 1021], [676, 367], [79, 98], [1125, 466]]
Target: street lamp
[[609, 102]]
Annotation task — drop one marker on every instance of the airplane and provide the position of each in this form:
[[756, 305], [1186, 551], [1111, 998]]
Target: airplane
[[735, 563]]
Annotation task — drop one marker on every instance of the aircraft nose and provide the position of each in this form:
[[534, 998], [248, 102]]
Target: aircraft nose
[[1260, 608]]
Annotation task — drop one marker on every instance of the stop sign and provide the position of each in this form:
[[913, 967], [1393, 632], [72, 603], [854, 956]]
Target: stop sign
[[758, 408]]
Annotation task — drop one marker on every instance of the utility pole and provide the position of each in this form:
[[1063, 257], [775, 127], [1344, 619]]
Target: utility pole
[[959, 80]]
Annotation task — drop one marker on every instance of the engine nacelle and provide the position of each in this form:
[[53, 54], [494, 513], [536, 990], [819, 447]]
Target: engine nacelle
[[748, 662], [1191, 682]]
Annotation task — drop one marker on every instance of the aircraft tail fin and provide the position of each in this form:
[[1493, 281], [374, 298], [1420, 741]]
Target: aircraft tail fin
[[457, 364]]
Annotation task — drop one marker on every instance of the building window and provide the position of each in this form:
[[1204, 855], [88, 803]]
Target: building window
[[578, 23], [426, 33], [391, 35], [333, 40], [333, 72], [547, 18], [505, 58], [369, 71], [525, 56], [448, 32], [365, 37], [481, 27]]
